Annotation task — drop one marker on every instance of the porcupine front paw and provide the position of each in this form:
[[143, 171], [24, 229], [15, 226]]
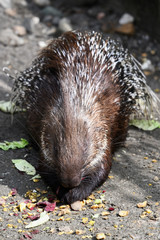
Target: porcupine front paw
[[75, 194]]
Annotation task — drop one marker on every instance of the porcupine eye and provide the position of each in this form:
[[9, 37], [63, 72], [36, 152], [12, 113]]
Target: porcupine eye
[[55, 151]]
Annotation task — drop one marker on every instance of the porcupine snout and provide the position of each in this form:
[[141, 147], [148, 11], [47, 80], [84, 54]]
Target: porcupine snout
[[71, 180]]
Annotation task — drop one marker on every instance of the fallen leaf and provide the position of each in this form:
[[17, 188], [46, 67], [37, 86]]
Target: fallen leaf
[[48, 207], [24, 166], [147, 125], [43, 219], [13, 145], [6, 106], [35, 217]]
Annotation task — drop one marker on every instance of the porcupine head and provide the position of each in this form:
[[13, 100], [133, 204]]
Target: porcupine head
[[79, 94]]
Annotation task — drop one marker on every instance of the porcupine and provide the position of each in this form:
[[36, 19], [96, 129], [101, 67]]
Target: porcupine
[[79, 94]]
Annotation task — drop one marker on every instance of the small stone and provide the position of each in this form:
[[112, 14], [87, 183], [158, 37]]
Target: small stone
[[8, 37], [6, 3], [50, 11], [64, 229], [76, 206], [42, 44], [65, 25], [156, 179], [100, 236], [127, 28], [126, 18], [147, 65], [42, 3], [11, 12], [20, 30], [30, 23]]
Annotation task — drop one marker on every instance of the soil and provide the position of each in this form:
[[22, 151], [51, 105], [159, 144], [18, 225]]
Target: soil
[[135, 175]]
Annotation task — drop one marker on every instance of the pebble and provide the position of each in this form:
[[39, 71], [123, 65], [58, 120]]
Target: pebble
[[6, 3], [126, 18], [20, 30], [156, 179], [64, 229], [42, 44], [50, 11], [42, 3], [30, 23], [8, 37], [77, 206], [65, 25], [147, 65], [21, 2], [11, 12]]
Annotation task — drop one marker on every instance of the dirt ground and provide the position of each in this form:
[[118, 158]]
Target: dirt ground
[[135, 175]]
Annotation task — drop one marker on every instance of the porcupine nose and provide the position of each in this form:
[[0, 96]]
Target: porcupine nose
[[71, 181]]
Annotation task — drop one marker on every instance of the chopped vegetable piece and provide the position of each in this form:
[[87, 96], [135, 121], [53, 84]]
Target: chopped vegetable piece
[[24, 166], [43, 219], [13, 145], [147, 125]]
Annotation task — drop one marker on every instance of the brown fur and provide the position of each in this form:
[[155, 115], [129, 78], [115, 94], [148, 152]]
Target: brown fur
[[71, 130]]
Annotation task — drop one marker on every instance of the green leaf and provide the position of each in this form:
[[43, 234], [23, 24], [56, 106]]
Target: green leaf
[[9, 107], [24, 166], [13, 145], [43, 219], [147, 125], [6, 106]]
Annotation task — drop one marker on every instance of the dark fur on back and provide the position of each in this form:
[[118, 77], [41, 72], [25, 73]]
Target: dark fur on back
[[79, 94]]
